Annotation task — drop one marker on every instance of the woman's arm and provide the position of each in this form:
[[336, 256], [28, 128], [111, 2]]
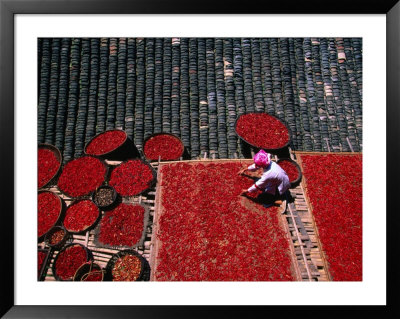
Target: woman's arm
[[251, 168], [253, 188], [264, 183]]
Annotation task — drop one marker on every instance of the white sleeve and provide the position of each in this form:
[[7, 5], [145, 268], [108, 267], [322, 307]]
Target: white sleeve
[[252, 167], [252, 188], [265, 182]]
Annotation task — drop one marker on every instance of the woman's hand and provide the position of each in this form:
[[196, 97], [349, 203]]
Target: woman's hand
[[242, 171], [243, 192]]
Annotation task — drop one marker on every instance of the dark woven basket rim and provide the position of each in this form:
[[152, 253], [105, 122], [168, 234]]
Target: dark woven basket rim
[[115, 257], [80, 269], [115, 196], [53, 229], [272, 150], [89, 256], [152, 182], [97, 135], [47, 251], [60, 214], [90, 227], [140, 243], [58, 154], [163, 133], [85, 196], [296, 165]]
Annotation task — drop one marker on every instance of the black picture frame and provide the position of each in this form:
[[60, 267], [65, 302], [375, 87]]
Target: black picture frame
[[8, 10]]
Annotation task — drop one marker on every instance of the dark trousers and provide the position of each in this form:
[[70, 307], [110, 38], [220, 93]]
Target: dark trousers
[[267, 198]]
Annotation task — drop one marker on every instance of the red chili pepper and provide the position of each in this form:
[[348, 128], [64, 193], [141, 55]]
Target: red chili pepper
[[122, 226], [106, 142], [131, 177], [80, 215], [207, 234], [334, 186], [48, 166], [48, 211], [166, 146], [94, 276], [81, 176], [69, 260], [127, 268], [290, 169], [56, 237], [262, 130]]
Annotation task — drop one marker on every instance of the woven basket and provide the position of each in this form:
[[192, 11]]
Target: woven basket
[[88, 194], [89, 256], [53, 180], [123, 152], [89, 227], [150, 185], [297, 181], [269, 150], [114, 201], [115, 257], [61, 213], [184, 154], [86, 269], [140, 243], [61, 242]]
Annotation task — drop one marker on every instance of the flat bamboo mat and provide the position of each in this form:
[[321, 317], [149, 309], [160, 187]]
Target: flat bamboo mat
[[306, 257], [305, 209]]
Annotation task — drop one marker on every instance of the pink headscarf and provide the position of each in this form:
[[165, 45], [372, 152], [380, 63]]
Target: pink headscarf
[[262, 159]]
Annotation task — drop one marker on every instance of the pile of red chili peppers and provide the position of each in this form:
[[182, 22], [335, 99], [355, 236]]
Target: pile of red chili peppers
[[95, 274], [106, 142], [81, 176], [208, 234], [262, 130], [165, 146], [290, 169], [56, 237], [334, 187], [127, 268], [69, 260], [49, 208], [48, 166], [131, 177], [81, 215], [122, 226]]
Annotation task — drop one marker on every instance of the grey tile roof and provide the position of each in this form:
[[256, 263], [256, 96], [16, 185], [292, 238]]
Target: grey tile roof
[[196, 87]]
